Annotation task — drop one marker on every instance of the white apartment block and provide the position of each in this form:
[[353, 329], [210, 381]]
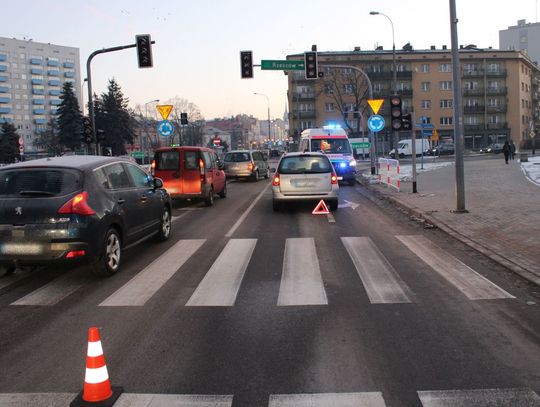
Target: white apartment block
[[522, 37]]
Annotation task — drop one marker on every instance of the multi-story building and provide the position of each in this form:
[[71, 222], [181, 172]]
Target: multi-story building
[[522, 37], [31, 79], [499, 88]]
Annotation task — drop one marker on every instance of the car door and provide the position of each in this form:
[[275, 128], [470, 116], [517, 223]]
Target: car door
[[151, 204], [219, 174]]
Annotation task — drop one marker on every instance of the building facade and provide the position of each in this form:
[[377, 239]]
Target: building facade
[[500, 93], [522, 37], [31, 78]]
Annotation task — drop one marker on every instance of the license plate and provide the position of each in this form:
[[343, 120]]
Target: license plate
[[340, 178], [21, 248]]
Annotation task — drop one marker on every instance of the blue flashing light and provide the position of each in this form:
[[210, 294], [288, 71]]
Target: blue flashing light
[[332, 126], [342, 165]]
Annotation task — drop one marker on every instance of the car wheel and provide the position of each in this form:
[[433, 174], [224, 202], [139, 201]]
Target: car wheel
[[333, 205], [165, 226], [255, 176], [223, 193], [109, 260], [209, 201], [277, 206]]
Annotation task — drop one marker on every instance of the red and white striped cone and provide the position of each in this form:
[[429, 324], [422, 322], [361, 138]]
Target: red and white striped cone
[[97, 390]]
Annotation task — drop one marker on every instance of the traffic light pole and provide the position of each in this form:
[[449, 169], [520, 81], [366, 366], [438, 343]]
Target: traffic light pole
[[90, 94]]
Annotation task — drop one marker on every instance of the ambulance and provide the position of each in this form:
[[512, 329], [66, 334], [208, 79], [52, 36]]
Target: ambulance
[[333, 142]]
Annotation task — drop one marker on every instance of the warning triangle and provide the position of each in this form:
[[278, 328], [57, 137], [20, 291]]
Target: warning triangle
[[321, 209]]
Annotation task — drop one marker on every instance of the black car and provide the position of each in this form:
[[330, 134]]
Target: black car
[[78, 209], [443, 149]]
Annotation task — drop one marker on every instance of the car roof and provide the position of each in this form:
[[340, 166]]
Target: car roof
[[298, 153], [81, 162]]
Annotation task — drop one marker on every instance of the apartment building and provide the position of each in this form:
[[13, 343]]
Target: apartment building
[[500, 93], [31, 79], [522, 37]]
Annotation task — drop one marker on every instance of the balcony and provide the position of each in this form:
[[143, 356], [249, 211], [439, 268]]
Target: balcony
[[38, 101], [69, 74], [496, 73], [473, 92], [3, 68], [389, 75], [55, 102], [3, 57], [39, 111], [54, 92], [3, 78], [476, 73], [36, 71], [5, 110], [69, 65], [54, 111], [497, 126], [37, 81], [496, 91], [4, 89], [54, 82], [474, 109], [405, 92], [36, 61], [53, 72], [497, 109], [53, 63], [5, 120], [303, 96], [5, 100], [38, 91], [310, 114], [40, 121], [473, 127]]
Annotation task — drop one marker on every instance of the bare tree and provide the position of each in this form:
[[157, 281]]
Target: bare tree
[[192, 134]]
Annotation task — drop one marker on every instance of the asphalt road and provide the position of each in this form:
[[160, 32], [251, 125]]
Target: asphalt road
[[254, 308]]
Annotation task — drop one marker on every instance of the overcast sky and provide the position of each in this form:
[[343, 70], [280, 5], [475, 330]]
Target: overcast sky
[[196, 55]]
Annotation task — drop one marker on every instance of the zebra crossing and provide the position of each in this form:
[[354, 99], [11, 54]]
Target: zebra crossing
[[515, 397], [302, 282]]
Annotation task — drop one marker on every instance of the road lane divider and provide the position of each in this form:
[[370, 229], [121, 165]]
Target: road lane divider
[[246, 213]]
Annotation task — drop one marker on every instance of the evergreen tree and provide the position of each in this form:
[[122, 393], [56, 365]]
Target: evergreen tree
[[69, 118], [48, 140], [9, 144], [114, 118]]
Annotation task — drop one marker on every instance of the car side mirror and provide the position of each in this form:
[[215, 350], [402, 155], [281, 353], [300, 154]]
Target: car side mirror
[[221, 165], [158, 183]]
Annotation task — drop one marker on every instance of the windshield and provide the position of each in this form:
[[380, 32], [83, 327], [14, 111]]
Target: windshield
[[304, 165], [331, 146]]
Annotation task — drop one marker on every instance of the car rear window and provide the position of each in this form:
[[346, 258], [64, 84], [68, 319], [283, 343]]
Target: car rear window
[[39, 181], [237, 157], [167, 160], [304, 164]]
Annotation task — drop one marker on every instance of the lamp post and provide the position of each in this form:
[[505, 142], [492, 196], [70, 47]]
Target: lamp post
[[394, 76], [268, 101], [146, 128]]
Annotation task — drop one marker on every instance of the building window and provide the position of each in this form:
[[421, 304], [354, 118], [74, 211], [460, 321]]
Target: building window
[[471, 120], [445, 85], [425, 104], [328, 90], [446, 121], [493, 68], [348, 88], [470, 68], [400, 68], [330, 107], [472, 102], [493, 119], [447, 104], [445, 67], [425, 86], [424, 68], [347, 71], [470, 85], [306, 124], [492, 102], [378, 87]]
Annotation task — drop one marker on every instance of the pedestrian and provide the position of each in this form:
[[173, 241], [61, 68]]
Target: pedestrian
[[506, 151], [512, 149]]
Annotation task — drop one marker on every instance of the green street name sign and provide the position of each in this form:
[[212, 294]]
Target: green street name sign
[[361, 145], [282, 65]]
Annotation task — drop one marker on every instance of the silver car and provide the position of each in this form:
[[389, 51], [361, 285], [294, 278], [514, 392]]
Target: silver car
[[250, 164], [305, 177]]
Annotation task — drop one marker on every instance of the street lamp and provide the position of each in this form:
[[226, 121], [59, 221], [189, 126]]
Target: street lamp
[[146, 128], [394, 85], [268, 101]]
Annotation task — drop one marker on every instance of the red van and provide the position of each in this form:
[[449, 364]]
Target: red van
[[190, 172]]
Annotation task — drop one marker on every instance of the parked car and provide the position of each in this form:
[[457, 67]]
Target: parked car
[[305, 177], [190, 173], [443, 149], [495, 148], [78, 209], [248, 164]]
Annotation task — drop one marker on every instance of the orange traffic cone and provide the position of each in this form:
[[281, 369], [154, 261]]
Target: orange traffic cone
[[97, 389]]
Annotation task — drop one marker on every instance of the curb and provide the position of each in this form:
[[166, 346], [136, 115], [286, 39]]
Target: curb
[[503, 261]]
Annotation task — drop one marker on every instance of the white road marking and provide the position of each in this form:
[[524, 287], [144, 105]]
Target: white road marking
[[480, 398], [349, 204], [36, 399], [464, 278], [175, 218], [331, 218], [173, 400], [146, 283], [6, 281], [246, 213], [55, 291], [301, 281], [367, 399], [382, 283], [220, 285]]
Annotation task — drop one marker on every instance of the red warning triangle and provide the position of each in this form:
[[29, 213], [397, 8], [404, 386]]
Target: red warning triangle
[[321, 209]]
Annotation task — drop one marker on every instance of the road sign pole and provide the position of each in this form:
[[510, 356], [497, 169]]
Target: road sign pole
[[413, 154]]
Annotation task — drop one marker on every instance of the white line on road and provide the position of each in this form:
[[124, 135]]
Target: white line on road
[[220, 285], [464, 278], [383, 285], [173, 400], [175, 218], [367, 399], [246, 213], [479, 398], [146, 283], [331, 218], [301, 281], [55, 291]]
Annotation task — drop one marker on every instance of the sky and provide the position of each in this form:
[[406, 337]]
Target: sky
[[198, 43]]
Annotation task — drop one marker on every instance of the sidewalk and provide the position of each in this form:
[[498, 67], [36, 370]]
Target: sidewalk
[[503, 219]]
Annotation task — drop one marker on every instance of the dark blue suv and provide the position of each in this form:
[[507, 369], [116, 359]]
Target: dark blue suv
[[78, 209]]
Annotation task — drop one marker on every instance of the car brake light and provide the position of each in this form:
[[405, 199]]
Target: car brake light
[[75, 253], [153, 167], [250, 167], [77, 205], [334, 179], [276, 180], [201, 169]]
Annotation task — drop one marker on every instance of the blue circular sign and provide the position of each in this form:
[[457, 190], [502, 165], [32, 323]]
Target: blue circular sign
[[375, 122], [165, 128]]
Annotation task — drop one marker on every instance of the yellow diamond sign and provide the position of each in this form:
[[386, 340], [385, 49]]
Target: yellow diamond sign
[[164, 110], [375, 104]]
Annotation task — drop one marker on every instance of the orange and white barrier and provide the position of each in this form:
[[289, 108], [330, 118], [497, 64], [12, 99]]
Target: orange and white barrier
[[389, 173]]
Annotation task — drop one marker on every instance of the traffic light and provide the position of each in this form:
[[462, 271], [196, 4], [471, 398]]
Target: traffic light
[[310, 65], [183, 118], [86, 135], [100, 135], [395, 112], [144, 50], [246, 64], [406, 121]]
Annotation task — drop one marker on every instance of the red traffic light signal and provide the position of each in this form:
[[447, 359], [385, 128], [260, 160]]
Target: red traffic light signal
[[396, 113], [246, 64]]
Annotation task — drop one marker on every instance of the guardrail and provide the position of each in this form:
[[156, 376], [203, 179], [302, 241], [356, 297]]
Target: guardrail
[[389, 173]]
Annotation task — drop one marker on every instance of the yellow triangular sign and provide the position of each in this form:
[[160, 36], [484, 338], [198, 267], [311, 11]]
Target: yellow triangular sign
[[375, 104], [321, 209], [164, 110]]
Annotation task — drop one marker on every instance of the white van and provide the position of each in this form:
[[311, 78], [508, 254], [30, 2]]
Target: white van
[[335, 144], [405, 148]]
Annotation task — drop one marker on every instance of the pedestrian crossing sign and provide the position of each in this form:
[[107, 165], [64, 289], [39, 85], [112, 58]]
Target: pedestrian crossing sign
[[321, 209]]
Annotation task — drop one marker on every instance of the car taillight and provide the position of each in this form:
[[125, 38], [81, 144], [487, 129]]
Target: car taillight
[[153, 167], [75, 253], [201, 169], [276, 180], [250, 167], [78, 205], [334, 179]]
